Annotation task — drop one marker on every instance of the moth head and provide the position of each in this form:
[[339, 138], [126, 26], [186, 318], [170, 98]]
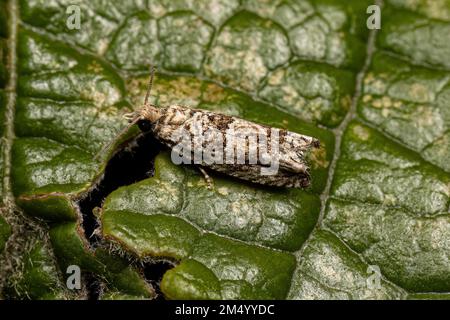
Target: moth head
[[144, 117], [148, 113]]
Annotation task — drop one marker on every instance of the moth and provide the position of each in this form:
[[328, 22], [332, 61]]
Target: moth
[[236, 147]]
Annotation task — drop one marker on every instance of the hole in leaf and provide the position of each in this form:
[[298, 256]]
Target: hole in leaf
[[93, 286], [154, 271], [133, 163]]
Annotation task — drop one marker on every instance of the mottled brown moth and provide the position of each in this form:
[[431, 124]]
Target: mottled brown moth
[[230, 145]]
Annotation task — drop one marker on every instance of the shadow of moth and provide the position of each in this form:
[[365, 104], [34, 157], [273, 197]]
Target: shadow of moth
[[230, 145]]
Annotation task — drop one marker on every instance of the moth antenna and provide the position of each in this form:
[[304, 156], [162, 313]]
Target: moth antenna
[[150, 84], [134, 119], [120, 134]]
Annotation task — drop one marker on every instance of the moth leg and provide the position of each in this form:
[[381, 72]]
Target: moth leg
[[208, 179], [130, 116]]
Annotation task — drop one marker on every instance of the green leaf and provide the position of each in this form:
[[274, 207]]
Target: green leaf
[[38, 278], [374, 224], [328, 269], [5, 232]]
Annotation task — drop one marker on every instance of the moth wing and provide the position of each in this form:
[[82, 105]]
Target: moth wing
[[294, 165], [292, 151]]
